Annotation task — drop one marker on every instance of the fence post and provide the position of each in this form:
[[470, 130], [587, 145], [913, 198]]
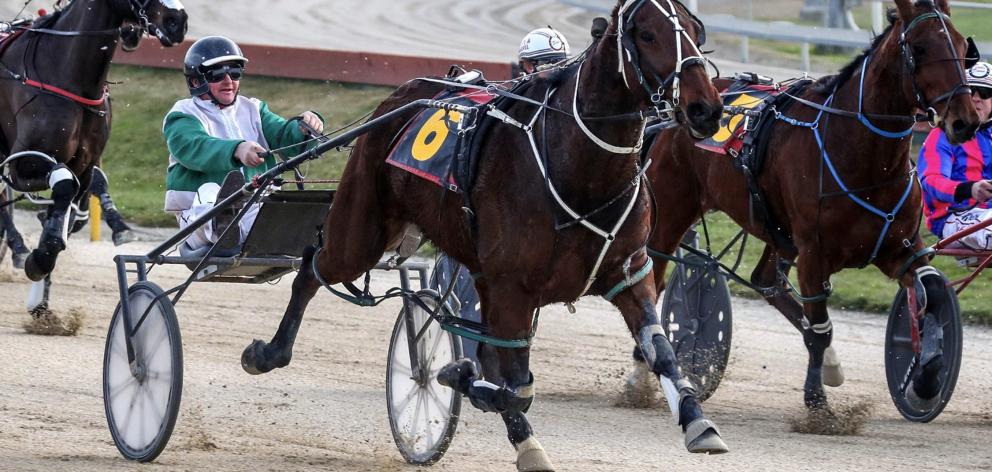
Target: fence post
[[877, 16], [96, 218], [745, 43], [804, 53]]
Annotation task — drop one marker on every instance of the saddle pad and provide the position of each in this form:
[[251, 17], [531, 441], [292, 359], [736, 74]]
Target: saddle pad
[[744, 94], [430, 141]]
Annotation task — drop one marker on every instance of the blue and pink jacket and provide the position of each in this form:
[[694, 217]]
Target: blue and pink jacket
[[947, 172]]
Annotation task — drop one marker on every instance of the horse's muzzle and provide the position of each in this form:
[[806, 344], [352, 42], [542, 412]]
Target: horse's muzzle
[[172, 28], [704, 119]]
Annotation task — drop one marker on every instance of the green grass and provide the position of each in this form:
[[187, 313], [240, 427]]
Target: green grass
[[136, 157]]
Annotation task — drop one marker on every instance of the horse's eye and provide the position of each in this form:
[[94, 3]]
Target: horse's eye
[[647, 36]]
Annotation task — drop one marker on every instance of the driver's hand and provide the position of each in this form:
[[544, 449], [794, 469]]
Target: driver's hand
[[982, 190], [313, 120], [248, 153]]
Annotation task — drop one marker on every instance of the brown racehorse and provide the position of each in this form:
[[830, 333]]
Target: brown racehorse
[[823, 228], [523, 261], [54, 115]]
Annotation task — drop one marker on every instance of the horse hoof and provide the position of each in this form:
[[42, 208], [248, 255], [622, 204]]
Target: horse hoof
[[532, 458], [919, 403], [18, 259], [33, 269], [458, 375], [833, 373], [123, 237], [702, 436], [251, 356], [40, 310]]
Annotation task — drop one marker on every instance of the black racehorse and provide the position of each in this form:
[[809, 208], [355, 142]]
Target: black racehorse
[[54, 108]]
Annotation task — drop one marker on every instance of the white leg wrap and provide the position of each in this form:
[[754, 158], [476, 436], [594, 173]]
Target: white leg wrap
[[822, 328], [36, 295], [832, 373], [59, 175], [671, 395]]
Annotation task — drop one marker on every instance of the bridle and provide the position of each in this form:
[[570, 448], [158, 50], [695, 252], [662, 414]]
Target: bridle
[[138, 8], [625, 44], [627, 52], [910, 63]]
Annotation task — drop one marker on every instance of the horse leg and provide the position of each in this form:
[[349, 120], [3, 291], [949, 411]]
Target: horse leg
[[355, 237], [637, 305], [13, 239], [766, 275], [80, 214], [819, 333], [37, 302], [931, 297], [101, 188], [55, 229], [509, 385]]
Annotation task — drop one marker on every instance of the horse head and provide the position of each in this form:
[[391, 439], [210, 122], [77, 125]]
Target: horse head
[[658, 43], [164, 19], [934, 56]]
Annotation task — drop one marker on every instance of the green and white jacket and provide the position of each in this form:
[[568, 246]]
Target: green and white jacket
[[202, 137]]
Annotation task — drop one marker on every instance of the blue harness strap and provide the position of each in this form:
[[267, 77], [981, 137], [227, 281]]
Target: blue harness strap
[[630, 281]]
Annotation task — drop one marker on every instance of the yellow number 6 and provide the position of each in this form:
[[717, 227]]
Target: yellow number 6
[[432, 134]]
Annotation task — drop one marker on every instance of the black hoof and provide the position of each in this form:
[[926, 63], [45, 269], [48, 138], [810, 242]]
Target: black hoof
[[123, 237], [458, 375], [40, 311], [252, 358], [35, 269], [256, 358]]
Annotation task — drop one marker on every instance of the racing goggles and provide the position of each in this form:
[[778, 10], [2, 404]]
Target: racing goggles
[[983, 92], [217, 74]]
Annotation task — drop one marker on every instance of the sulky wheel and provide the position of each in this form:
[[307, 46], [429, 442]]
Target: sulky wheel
[[423, 414], [901, 359], [696, 314], [142, 401]]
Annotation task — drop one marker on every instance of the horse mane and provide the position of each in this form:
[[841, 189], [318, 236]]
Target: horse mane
[[829, 83]]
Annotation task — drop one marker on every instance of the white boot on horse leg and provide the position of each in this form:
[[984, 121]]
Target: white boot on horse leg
[[641, 388], [531, 457], [833, 373]]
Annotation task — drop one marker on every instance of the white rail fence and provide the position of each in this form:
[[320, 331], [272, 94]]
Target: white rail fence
[[788, 32]]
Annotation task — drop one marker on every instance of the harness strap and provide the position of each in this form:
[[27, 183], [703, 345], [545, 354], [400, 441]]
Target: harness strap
[[630, 280], [927, 252], [67, 94]]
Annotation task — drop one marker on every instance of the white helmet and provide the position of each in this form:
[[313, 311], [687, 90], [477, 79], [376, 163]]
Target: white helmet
[[544, 45], [980, 75]]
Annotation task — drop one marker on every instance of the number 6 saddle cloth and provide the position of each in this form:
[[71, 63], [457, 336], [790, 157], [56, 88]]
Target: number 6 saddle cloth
[[433, 140]]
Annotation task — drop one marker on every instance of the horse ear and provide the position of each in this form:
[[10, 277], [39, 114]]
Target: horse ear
[[905, 10], [944, 6]]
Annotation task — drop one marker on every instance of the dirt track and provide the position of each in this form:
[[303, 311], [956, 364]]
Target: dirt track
[[327, 410]]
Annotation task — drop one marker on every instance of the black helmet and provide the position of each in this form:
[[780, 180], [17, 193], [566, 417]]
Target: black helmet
[[205, 53]]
